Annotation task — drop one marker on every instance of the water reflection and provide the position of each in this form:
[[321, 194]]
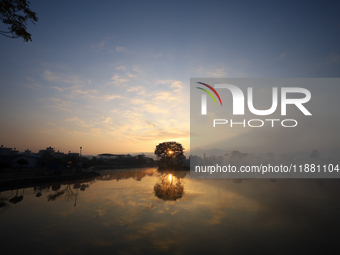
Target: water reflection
[[13, 199], [122, 213], [169, 187], [56, 191], [3, 201], [135, 174], [16, 199]]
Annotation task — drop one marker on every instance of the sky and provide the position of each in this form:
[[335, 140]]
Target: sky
[[114, 76]]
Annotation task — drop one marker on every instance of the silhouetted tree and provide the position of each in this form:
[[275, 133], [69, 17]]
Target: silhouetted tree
[[22, 162], [15, 14], [169, 153], [46, 158]]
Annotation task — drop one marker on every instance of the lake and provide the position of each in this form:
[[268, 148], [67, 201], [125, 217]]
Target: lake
[[143, 211]]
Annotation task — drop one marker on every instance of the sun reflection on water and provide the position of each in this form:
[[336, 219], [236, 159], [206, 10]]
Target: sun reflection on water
[[169, 187]]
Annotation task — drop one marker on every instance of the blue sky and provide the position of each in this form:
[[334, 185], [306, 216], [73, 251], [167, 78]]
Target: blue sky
[[113, 76]]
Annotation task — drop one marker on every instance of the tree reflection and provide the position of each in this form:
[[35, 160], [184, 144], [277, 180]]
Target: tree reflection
[[54, 196], [16, 199], [3, 201], [169, 187], [66, 192], [39, 189]]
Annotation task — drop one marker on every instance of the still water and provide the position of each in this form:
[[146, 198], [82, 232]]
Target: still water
[[143, 211]]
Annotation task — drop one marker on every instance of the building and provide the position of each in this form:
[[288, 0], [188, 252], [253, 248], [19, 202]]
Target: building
[[7, 151], [113, 156], [28, 152], [50, 150], [59, 154], [33, 161], [74, 154]]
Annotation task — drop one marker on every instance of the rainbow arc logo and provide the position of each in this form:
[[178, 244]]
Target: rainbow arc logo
[[207, 91]]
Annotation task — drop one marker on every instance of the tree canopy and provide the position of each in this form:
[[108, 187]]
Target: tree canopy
[[169, 152], [15, 14], [22, 161]]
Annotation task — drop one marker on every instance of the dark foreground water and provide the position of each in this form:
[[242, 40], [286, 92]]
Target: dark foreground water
[[142, 211]]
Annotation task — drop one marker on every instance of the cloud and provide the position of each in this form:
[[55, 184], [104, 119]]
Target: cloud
[[88, 93], [120, 49], [138, 101], [177, 84], [138, 89], [143, 111], [163, 81], [137, 70], [151, 124], [165, 96], [146, 106], [101, 243], [160, 134], [63, 78], [54, 99], [98, 46], [80, 122], [217, 216], [58, 103], [144, 131], [60, 107], [150, 227], [111, 97], [174, 95], [57, 88], [236, 70], [283, 55], [136, 127], [130, 75], [108, 120], [49, 76], [333, 58], [216, 73], [34, 85], [173, 83], [152, 108], [117, 80], [124, 68]]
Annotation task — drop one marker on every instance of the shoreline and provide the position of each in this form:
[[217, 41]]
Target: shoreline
[[20, 183]]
